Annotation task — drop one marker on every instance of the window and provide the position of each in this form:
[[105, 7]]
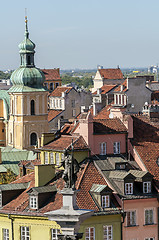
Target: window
[[149, 216], [103, 148], [57, 159], [116, 147], [108, 232], [25, 233], [74, 113], [60, 103], [90, 233], [56, 84], [131, 218], [51, 86], [73, 103], [10, 137], [33, 202], [150, 238], [46, 158], [128, 188], [29, 62], [62, 156], [32, 107], [2, 130], [57, 103], [146, 187], [105, 201], [33, 139], [51, 158], [5, 234], [0, 199], [54, 233]]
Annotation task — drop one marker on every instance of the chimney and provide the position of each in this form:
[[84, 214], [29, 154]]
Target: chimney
[[44, 174]]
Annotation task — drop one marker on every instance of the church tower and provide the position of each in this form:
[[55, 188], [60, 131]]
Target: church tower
[[28, 100]]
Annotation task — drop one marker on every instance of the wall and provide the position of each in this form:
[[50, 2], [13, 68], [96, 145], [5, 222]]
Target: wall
[[99, 221], [40, 227], [141, 231], [137, 94]]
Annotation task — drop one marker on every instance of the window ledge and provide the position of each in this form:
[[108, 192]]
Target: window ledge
[[132, 226], [150, 224]]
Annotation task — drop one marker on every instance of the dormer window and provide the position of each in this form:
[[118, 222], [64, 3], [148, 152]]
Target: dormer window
[[105, 201], [46, 158], [33, 202], [146, 187], [128, 188]]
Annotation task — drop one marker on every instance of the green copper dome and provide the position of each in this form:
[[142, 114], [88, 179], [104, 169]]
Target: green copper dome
[[27, 77]]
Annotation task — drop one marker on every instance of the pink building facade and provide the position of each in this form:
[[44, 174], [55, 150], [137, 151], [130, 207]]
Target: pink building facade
[[105, 136], [141, 222]]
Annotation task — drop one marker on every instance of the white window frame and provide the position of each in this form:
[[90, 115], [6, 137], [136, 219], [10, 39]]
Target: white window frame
[[150, 219], [5, 233], [57, 159], [103, 148], [52, 158], [73, 112], [90, 233], [25, 233], [147, 187], [105, 201], [116, 147], [33, 202], [128, 188], [131, 218], [150, 238], [108, 232], [46, 158], [54, 233]]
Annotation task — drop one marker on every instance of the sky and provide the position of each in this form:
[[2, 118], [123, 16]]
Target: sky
[[82, 34]]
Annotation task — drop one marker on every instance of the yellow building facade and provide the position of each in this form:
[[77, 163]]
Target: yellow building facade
[[37, 227]]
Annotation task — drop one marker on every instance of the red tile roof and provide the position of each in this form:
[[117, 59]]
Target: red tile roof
[[106, 126], [53, 113], [124, 86], [65, 141], [58, 91], [51, 74], [146, 142], [90, 176], [67, 128], [111, 73], [106, 88], [104, 113]]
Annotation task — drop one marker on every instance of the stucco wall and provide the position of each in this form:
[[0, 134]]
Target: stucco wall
[[141, 231]]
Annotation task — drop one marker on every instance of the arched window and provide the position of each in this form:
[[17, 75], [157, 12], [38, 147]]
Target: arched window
[[33, 139], [32, 106], [29, 62]]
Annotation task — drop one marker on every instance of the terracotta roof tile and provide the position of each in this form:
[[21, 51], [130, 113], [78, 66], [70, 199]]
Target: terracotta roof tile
[[104, 126], [65, 141], [106, 88], [146, 142], [67, 128], [111, 73], [58, 91], [51, 74], [90, 176], [123, 86], [104, 113], [53, 113]]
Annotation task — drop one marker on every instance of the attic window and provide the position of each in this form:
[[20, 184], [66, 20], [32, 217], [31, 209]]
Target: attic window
[[105, 201], [33, 202], [128, 188], [146, 187]]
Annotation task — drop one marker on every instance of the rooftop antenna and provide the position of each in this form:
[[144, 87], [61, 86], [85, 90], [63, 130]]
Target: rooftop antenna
[[157, 72]]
